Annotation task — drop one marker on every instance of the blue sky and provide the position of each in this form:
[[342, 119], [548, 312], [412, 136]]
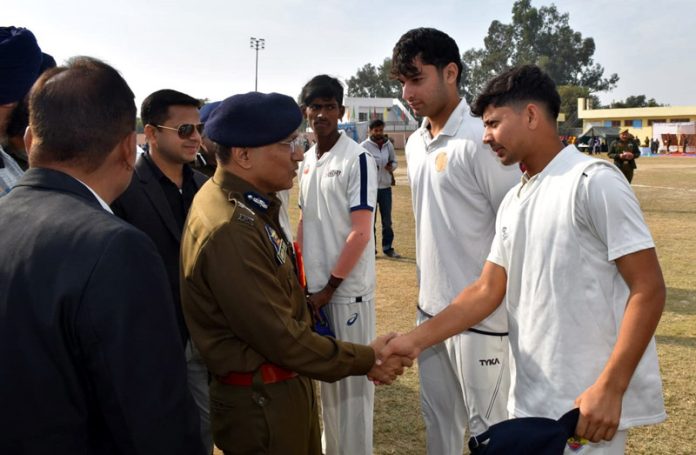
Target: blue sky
[[202, 47]]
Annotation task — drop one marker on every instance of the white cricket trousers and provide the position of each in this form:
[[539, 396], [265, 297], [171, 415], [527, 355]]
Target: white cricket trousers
[[466, 377], [347, 405]]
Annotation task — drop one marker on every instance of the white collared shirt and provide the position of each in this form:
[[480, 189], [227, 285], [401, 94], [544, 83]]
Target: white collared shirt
[[457, 184], [101, 201]]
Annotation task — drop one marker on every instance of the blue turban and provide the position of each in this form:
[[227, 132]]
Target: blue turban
[[253, 119], [208, 109], [20, 59]]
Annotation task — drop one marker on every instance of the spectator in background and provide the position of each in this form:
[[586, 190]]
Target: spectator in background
[[382, 150], [19, 120], [205, 159], [157, 202], [20, 63], [624, 152]]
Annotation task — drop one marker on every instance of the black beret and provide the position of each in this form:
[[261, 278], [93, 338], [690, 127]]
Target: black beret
[[253, 119], [20, 59]]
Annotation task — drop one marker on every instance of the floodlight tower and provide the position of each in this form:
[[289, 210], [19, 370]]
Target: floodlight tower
[[256, 44]]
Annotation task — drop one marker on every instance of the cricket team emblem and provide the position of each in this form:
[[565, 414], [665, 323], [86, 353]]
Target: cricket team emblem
[[441, 161]]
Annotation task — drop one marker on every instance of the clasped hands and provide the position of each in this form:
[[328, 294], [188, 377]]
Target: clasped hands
[[392, 352], [389, 360]]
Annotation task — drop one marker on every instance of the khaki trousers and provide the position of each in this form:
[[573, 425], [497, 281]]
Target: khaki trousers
[[280, 418]]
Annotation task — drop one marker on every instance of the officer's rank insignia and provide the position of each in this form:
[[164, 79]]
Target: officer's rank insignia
[[257, 200], [246, 219], [279, 245]]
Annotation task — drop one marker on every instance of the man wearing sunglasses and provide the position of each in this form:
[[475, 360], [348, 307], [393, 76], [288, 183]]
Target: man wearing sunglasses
[[157, 202]]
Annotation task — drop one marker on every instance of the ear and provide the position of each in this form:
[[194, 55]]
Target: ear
[[149, 131], [241, 156], [303, 108], [341, 112], [534, 116], [450, 73], [28, 139], [126, 151]]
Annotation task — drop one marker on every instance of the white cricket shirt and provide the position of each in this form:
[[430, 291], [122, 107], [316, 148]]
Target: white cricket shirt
[[558, 239], [343, 180], [457, 183]]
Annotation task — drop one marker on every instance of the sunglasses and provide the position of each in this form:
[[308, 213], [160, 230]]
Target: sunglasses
[[185, 130]]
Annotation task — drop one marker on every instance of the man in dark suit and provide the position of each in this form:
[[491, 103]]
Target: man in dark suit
[[88, 336], [157, 202]]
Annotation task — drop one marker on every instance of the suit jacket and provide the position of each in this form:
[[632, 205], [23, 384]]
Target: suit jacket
[[90, 362], [145, 206]]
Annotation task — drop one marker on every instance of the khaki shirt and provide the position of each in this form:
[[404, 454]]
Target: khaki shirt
[[241, 298]]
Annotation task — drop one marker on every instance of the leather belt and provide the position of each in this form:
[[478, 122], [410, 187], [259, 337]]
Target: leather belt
[[270, 374]]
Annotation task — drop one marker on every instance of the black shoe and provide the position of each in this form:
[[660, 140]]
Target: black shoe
[[392, 254]]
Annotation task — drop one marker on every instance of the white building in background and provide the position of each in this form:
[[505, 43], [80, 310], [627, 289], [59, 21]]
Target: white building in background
[[399, 122]]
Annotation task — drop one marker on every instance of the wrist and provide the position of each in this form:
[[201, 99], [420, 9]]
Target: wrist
[[612, 383], [334, 282]]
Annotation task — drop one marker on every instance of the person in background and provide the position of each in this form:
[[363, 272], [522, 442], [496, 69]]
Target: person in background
[[382, 150], [157, 201], [624, 152], [20, 63], [205, 159]]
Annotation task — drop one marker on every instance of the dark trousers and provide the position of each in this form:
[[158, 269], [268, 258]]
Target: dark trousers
[[384, 203], [626, 170], [271, 419]]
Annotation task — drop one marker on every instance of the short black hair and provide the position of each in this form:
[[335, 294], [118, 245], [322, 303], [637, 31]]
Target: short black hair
[[79, 112], [519, 85], [432, 46], [376, 123], [322, 86], [222, 152], [155, 108]]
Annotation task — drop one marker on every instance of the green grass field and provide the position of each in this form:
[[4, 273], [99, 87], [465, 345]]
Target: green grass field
[[666, 188]]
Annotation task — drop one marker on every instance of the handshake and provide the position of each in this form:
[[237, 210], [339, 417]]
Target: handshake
[[393, 352]]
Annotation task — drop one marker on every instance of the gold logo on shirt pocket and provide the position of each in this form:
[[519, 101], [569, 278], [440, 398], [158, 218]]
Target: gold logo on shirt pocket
[[441, 161]]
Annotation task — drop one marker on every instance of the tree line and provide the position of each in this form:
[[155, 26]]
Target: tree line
[[540, 36]]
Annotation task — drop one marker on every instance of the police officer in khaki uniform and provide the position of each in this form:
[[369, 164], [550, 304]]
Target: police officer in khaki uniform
[[624, 152], [242, 300]]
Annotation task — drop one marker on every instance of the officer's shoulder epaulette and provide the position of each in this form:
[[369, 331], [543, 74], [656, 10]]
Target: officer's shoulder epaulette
[[242, 213]]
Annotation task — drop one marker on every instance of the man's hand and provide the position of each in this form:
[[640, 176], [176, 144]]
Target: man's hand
[[385, 371], [401, 345], [600, 412], [319, 299], [627, 155], [389, 167]]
